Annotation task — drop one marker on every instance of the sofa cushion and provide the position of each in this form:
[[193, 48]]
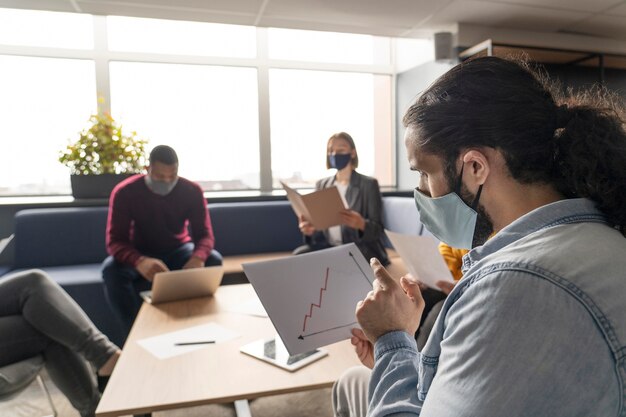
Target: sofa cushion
[[62, 236], [255, 227]]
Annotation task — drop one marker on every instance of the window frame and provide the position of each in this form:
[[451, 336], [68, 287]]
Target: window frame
[[102, 56]]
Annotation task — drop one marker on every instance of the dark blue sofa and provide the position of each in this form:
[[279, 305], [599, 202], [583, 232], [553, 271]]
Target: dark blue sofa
[[68, 244]]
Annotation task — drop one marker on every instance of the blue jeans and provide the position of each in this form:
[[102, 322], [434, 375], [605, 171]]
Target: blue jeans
[[123, 283]]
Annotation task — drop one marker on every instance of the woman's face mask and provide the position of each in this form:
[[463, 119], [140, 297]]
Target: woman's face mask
[[339, 160]]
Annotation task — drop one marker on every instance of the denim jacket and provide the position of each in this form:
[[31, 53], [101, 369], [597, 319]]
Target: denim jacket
[[536, 327]]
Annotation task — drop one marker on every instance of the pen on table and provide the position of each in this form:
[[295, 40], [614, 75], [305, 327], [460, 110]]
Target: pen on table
[[200, 342]]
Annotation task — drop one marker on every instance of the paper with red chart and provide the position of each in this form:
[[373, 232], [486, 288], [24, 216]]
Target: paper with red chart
[[311, 298]]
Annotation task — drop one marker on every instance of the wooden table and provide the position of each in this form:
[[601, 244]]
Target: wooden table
[[217, 373]]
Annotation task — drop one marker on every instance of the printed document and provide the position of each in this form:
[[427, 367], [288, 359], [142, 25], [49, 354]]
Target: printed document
[[311, 298]]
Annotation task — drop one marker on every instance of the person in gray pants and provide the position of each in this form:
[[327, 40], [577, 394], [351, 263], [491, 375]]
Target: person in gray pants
[[38, 317]]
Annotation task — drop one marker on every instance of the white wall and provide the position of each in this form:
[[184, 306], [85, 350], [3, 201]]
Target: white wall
[[409, 85]]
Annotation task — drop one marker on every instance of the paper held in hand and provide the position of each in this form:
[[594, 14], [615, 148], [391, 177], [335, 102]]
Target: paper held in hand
[[311, 298], [322, 208], [421, 257]]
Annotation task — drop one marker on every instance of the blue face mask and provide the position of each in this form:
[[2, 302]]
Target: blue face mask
[[448, 217], [161, 188], [339, 160]]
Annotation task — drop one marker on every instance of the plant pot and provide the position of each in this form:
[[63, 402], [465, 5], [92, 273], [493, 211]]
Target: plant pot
[[95, 186]]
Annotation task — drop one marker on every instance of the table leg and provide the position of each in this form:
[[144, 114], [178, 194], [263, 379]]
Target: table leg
[[242, 408]]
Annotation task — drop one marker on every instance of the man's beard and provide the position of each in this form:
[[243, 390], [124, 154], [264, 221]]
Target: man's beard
[[484, 224]]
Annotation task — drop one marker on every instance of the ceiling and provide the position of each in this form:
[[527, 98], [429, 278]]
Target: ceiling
[[401, 18]]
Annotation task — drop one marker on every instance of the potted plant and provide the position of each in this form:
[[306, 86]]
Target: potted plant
[[102, 156]]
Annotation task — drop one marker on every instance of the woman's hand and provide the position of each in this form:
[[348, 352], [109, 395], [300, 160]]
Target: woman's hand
[[305, 226], [352, 219]]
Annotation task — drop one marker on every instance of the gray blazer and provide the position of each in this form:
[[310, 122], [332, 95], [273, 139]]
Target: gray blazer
[[362, 196]]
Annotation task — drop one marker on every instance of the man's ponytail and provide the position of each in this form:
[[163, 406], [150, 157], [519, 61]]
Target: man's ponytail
[[590, 154]]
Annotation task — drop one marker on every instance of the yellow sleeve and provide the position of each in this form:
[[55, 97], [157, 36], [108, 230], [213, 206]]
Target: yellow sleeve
[[453, 258]]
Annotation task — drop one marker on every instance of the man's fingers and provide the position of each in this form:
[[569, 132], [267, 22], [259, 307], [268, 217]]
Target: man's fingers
[[358, 333], [381, 273], [445, 286], [412, 289], [162, 266]]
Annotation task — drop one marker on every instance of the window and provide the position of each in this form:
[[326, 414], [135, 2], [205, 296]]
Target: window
[[307, 107], [47, 29], [45, 102], [305, 45], [202, 88], [132, 34], [208, 114]]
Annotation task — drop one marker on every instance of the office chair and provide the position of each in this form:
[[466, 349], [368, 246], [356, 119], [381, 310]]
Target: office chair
[[16, 377]]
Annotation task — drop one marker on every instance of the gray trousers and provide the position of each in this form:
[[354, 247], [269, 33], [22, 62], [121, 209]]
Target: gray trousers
[[38, 317], [350, 390]]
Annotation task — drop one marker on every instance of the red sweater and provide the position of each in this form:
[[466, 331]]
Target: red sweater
[[142, 223]]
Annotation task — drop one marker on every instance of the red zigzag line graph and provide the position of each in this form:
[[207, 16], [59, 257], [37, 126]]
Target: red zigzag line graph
[[307, 316]]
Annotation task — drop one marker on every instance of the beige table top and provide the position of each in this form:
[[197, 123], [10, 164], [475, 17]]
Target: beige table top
[[217, 373]]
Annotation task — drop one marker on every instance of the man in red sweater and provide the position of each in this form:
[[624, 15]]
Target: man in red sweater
[[148, 231]]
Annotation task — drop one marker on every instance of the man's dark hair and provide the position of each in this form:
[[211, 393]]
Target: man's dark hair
[[574, 141], [163, 154]]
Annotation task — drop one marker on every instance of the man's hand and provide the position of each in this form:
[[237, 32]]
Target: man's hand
[[147, 267], [194, 262], [363, 347], [446, 286], [305, 226], [352, 219], [389, 306]]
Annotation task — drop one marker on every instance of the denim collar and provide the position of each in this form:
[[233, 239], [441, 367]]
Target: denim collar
[[560, 212]]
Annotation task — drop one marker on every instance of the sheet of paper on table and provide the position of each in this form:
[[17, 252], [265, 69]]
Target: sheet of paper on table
[[186, 340]]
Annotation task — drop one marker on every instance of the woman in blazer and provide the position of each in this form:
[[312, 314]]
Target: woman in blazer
[[362, 223]]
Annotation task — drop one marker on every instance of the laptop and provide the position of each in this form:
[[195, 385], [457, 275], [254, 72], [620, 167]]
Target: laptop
[[184, 284]]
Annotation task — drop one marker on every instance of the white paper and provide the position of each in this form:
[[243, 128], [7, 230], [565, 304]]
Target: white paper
[[421, 257], [252, 307], [5, 242], [311, 298], [164, 345]]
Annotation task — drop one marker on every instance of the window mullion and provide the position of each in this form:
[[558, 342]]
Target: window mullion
[[265, 145], [101, 58]]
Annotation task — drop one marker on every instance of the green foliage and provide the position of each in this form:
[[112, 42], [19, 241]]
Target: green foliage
[[103, 149]]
